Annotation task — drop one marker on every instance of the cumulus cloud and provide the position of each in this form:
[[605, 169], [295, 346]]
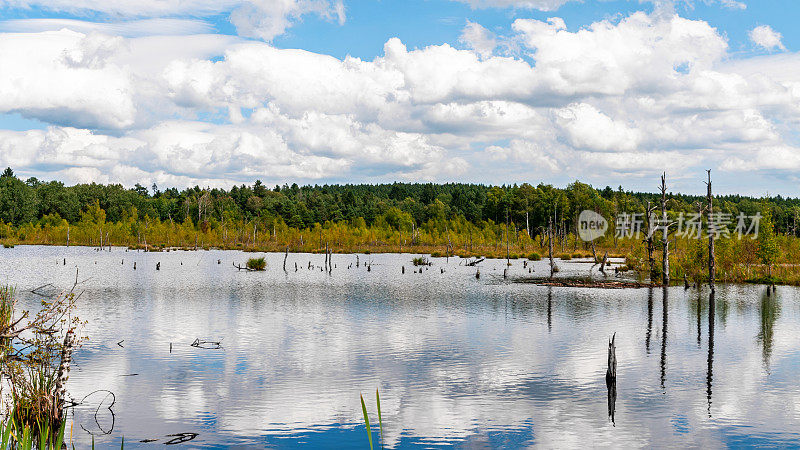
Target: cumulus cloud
[[631, 95], [765, 37], [587, 128], [62, 77]]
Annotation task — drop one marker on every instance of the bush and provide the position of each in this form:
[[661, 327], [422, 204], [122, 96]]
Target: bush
[[534, 257], [565, 257], [257, 263], [578, 255]]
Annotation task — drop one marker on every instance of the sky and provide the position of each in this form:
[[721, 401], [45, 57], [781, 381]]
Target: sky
[[221, 92]]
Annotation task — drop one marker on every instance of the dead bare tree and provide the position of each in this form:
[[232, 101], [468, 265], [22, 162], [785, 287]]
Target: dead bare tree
[[711, 260], [648, 239], [665, 225], [550, 246]]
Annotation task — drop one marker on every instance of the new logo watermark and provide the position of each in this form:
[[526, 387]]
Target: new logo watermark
[[592, 225]]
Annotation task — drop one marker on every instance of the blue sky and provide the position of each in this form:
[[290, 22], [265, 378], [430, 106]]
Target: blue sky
[[495, 91]]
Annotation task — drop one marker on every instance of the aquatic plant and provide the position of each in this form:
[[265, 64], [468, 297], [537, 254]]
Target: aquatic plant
[[257, 263], [7, 303], [421, 261], [36, 366], [534, 256]]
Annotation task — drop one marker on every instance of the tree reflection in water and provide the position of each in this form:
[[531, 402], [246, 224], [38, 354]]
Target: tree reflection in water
[[769, 311]]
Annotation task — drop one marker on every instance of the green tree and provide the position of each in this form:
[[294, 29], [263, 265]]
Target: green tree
[[767, 243]]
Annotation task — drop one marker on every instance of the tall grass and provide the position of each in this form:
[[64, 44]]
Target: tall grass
[[7, 303]]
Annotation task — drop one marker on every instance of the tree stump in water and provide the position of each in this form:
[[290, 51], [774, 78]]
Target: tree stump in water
[[611, 371]]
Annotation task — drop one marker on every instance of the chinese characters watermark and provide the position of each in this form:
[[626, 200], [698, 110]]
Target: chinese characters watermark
[[592, 225]]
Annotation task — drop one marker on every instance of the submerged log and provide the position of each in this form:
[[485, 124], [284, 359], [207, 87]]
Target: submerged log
[[475, 262]]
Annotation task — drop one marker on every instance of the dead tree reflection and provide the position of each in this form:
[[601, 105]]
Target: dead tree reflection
[[664, 322], [649, 319], [710, 369]]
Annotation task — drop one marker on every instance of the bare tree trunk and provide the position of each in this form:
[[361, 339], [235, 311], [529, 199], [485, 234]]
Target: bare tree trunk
[[527, 221], [711, 260], [651, 261], [550, 245], [508, 260], [664, 230]]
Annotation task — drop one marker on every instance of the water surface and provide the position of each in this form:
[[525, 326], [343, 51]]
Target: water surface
[[458, 360]]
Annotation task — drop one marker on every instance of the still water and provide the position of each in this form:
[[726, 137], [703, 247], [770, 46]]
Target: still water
[[458, 360]]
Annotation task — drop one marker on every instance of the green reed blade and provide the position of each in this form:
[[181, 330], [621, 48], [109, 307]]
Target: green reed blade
[[380, 419], [366, 421]]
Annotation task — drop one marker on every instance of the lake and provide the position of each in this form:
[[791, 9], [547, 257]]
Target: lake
[[459, 361]]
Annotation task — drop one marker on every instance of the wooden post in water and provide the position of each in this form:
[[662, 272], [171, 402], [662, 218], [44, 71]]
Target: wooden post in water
[[285, 257]]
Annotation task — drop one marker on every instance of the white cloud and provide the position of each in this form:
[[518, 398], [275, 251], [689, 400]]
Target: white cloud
[[479, 39], [733, 4], [133, 28], [263, 19], [541, 5], [587, 128], [642, 92], [764, 36], [62, 77]]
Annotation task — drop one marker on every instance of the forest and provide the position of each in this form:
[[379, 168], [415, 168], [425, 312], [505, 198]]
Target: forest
[[450, 219]]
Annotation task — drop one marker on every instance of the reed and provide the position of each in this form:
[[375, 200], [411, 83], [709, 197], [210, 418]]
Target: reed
[[366, 420]]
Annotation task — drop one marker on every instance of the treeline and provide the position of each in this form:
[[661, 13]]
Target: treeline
[[400, 206]]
